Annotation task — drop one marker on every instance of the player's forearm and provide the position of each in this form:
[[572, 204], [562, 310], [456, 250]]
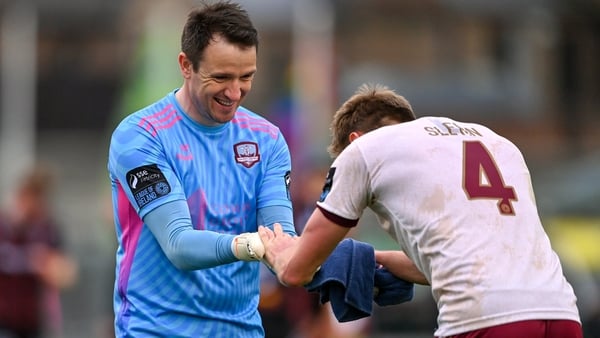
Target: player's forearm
[[201, 249], [319, 239], [283, 215], [186, 248], [400, 266], [299, 271]]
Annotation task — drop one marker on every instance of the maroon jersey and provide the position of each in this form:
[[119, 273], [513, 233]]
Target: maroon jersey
[[21, 289]]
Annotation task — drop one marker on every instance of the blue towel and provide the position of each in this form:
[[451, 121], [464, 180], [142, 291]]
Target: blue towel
[[391, 290], [348, 279]]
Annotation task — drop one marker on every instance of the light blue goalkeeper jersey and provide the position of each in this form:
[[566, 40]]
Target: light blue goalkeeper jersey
[[225, 173]]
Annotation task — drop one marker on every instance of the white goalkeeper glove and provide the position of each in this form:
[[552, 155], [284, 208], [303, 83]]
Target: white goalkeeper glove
[[248, 247]]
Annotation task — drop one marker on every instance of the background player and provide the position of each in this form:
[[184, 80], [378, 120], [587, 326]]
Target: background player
[[458, 200], [189, 173]]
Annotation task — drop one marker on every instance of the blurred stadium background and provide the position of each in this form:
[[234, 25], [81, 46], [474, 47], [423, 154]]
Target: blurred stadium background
[[70, 69]]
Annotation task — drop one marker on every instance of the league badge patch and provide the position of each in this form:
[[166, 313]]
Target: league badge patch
[[246, 153], [147, 183], [328, 184], [288, 181]]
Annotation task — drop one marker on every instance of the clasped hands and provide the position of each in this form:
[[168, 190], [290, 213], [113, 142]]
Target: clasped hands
[[279, 248]]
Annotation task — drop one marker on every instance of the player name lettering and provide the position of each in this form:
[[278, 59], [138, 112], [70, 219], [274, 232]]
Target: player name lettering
[[451, 129]]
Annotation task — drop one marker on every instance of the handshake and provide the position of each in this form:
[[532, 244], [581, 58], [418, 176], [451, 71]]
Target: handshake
[[248, 247], [274, 247]]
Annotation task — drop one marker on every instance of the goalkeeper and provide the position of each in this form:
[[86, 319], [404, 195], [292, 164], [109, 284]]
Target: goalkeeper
[[192, 176]]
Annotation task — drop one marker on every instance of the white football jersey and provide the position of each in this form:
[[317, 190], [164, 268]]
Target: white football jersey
[[458, 199]]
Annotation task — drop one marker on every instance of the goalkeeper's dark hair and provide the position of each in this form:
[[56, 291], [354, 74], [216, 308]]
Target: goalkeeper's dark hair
[[225, 19], [372, 106]]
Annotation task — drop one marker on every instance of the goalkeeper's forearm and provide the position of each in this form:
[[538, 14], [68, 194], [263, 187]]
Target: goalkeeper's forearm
[[186, 248]]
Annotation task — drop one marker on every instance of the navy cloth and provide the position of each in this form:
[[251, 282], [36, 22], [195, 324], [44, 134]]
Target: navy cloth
[[349, 277], [391, 290]]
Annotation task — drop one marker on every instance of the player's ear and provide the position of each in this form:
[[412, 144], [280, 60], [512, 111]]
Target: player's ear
[[354, 135], [185, 65]]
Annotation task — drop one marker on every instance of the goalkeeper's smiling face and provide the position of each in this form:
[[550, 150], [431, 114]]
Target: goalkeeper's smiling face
[[223, 79]]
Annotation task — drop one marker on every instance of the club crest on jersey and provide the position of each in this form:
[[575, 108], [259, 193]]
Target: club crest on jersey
[[246, 153]]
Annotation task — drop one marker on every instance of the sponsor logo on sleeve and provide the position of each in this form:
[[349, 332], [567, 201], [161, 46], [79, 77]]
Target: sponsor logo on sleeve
[[147, 183], [246, 153], [328, 184]]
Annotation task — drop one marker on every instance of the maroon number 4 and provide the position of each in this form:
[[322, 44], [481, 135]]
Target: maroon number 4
[[482, 178]]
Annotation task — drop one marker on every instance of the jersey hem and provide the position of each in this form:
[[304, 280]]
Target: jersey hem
[[451, 330]]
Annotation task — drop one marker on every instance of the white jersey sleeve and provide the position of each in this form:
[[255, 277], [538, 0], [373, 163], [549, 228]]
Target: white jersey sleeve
[[347, 189]]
